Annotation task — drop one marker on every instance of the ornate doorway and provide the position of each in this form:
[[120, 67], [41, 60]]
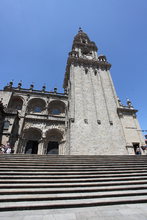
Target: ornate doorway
[[30, 141], [53, 147], [53, 141], [31, 147]]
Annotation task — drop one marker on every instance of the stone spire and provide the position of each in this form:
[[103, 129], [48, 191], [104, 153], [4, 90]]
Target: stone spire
[[84, 53], [81, 40]]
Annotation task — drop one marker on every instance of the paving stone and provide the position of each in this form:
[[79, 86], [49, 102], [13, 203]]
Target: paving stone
[[12, 218], [33, 217], [71, 216], [48, 217]]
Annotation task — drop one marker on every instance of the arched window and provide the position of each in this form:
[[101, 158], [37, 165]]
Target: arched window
[[36, 105], [37, 109], [56, 111], [56, 107], [16, 103]]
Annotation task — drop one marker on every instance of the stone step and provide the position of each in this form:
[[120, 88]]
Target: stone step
[[17, 164], [70, 160], [72, 167], [80, 159], [23, 169], [72, 176], [73, 180], [56, 190], [59, 159], [71, 203], [68, 173], [65, 184], [33, 197]]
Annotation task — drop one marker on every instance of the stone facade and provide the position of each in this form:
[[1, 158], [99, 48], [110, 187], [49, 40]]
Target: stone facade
[[88, 118], [35, 118]]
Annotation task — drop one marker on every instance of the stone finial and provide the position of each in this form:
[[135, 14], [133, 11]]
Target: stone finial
[[19, 84], [55, 90], [65, 91], [129, 103], [80, 30], [31, 86], [102, 58], [119, 101], [10, 84], [43, 88]]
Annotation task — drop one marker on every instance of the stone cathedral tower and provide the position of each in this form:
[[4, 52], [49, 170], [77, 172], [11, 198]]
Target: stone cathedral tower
[[97, 121]]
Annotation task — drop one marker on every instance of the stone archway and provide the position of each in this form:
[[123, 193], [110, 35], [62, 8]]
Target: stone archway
[[31, 138], [16, 103], [53, 141], [36, 105]]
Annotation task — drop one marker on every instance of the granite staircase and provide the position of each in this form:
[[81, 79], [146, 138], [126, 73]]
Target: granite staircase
[[34, 182]]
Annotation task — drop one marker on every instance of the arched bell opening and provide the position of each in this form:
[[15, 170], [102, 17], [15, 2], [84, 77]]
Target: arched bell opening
[[53, 141]]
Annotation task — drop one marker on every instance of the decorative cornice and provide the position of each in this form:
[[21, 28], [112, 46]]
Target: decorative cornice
[[45, 120], [126, 110], [35, 92], [75, 60]]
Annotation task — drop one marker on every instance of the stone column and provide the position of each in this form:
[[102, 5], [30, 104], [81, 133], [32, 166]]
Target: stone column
[[21, 146], [41, 146], [62, 147]]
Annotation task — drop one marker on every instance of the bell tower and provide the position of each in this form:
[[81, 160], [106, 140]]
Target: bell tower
[[93, 124]]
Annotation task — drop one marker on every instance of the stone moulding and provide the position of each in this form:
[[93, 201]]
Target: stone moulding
[[48, 118], [126, 110], [11, 111], [38, 92]]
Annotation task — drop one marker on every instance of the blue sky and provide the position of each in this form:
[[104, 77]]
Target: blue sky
[[36, 36]]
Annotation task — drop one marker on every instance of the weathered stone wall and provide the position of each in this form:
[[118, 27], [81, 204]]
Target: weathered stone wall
[[132, 132], [5, 96]]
